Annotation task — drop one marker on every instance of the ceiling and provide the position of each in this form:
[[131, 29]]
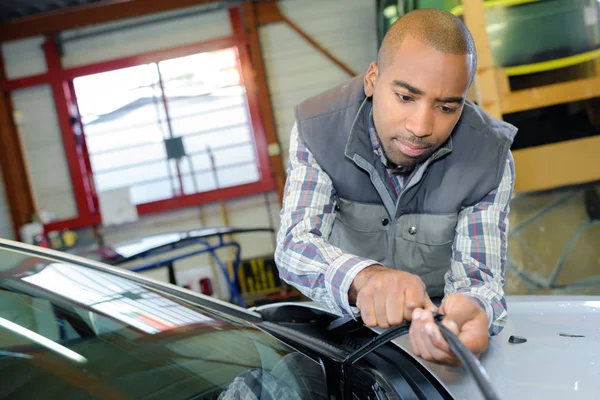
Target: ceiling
[[16, 9]]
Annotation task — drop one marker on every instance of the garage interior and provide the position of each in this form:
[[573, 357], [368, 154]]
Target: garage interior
[[136, 123]]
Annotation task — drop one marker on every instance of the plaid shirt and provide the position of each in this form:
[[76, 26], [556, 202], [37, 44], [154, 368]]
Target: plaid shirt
[[324, 272]]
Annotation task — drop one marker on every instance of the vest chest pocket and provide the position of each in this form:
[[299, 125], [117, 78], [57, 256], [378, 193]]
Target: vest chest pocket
[[424, 242], [361, 229]]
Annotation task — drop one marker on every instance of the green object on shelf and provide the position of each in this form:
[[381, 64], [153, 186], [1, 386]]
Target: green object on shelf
[[542, 31]]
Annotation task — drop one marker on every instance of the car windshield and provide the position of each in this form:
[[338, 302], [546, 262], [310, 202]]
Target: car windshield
[[74, 332]]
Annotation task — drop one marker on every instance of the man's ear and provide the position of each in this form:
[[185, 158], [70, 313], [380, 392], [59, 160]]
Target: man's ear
[[371, 79]]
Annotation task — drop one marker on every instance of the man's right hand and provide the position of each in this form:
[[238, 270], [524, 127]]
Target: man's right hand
[[387, 297]]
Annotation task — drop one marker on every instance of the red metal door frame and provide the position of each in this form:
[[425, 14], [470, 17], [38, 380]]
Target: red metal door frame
[[78, 161], [84, 196]]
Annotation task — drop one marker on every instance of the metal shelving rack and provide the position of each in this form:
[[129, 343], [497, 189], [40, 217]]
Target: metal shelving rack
[[537, 167]]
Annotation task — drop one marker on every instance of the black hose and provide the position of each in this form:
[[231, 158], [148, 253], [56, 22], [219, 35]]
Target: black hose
[[467, 358], [470, 362]]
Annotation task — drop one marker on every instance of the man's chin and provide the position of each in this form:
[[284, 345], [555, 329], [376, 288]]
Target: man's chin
[[407, 161]]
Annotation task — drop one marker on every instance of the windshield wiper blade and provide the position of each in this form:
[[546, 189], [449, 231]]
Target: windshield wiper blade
[[467, 358], [377, 341], [471, 363]]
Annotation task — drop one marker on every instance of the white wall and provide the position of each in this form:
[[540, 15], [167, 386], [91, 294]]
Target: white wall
[[295, 70], [24, 57], [21, 58], [183, 27], [37, 123]]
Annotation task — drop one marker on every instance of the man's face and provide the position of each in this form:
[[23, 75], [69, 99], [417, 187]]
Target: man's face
[[417, 99]]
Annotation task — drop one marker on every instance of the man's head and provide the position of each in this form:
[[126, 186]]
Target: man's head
[[425, 66]]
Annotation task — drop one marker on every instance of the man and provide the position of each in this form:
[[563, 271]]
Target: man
[[398, 191]]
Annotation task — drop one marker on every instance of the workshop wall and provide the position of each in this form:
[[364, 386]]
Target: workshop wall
[[296, 70], [139, 35], [36, 120], [38, 126], [347, 29], [24, 57]]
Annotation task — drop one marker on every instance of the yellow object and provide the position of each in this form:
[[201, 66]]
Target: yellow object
[[549, 95], [459, 10], [69, 238], [552, 64]]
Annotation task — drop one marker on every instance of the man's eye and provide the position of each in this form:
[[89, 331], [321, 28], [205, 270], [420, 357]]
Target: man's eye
[[405, 98], [447, 110]]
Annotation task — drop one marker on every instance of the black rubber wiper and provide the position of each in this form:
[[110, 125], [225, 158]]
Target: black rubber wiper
[[467, 358]]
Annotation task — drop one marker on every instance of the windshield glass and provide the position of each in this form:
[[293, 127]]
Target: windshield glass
[[70, 332]]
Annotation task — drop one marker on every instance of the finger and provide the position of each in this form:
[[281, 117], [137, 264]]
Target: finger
[[412, 333], [475, 338], [413, 298], [380, 300], [413, 343], [395, 309], [437, 354], [429, 304], [461, 309], [421, 335], [364, 302], [437, 339], [440, 351], [451, 325]]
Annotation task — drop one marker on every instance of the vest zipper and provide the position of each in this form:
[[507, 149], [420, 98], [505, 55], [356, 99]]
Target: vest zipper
[[392, 231]]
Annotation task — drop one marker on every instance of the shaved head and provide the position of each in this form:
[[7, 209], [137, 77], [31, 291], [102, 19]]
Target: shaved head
[[437, 28], [419, 84]]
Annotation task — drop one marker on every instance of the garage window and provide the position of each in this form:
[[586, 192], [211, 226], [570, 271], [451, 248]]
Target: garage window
[[169, 128]]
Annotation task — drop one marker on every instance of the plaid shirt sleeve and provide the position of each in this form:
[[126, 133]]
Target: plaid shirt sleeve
[[303, 256], [479, 253]]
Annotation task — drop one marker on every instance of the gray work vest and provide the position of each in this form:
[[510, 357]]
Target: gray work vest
[[416, 232]]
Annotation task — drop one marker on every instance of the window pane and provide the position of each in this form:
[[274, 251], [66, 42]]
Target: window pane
[[116, 135], [222, 98], [125, 125], [224, 137], [196, 123], [241, 154], [105, 93], [130, 176], [205, 182], [199, 73], [123, 158], [238, 175], [148, 192], [201, 162]]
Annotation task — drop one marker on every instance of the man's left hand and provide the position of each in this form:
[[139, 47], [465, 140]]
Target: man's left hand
[[464, 316]]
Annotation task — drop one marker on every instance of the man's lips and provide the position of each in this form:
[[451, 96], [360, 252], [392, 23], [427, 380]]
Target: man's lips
[[409, 150]]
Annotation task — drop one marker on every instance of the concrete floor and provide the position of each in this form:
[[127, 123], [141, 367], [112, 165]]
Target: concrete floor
[[536, 245]]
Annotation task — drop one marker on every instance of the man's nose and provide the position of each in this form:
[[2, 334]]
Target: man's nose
[[420, 123]]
